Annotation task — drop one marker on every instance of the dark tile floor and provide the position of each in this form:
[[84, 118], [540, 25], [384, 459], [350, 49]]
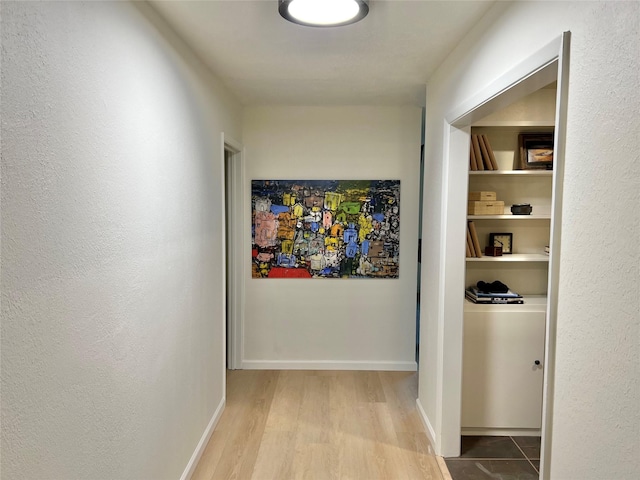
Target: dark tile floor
[[496, 458]]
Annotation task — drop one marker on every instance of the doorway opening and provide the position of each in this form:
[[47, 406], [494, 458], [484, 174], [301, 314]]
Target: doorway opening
[[419, 274], [233, 214], [548, 65]]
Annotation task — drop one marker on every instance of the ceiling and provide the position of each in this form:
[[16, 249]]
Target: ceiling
[[385, 59]]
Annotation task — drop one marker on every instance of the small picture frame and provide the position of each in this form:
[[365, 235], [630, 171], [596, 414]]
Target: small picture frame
[[536, 151]]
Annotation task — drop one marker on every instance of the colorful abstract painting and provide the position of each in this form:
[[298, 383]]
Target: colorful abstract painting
[[325, 228]]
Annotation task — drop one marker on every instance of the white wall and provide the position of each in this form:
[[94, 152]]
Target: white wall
[[370, 323], [596, 421], [112, 294]]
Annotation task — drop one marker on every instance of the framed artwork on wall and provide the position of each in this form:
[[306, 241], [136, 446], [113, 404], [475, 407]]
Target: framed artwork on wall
[[325, 228]]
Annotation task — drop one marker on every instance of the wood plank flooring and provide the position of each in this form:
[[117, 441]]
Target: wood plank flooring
[[319, 425]]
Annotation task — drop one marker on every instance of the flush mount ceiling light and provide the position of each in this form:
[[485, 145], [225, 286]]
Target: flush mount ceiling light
[[323, 13]]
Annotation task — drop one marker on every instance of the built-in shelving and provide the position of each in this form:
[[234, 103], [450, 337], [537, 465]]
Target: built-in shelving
[[529, 173], [509, 217], [514, 257], [503, 347], [532, 303]]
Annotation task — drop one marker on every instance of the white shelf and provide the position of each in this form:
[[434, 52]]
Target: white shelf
[[513, 257], [509, 217], [528, 173], [532, 303]]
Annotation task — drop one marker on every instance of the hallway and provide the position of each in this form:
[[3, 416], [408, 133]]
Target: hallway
[[319, 425]]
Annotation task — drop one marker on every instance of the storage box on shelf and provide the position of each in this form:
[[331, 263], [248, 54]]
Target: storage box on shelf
[[483, 196], [491, 207]]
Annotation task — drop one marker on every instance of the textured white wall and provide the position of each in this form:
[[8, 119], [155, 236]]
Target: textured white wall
[[596, 422], [112, 326], [355, 323]]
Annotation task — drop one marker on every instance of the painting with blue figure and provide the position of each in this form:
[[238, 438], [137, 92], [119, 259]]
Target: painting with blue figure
[[278, 209]]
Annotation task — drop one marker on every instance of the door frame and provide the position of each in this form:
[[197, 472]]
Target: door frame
[[551, 63], [233, 201]]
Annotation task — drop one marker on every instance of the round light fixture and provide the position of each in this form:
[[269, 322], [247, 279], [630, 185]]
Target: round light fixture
[[323, 13]]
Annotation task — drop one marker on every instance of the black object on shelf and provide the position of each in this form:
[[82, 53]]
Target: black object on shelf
[[521, 209], [493, 287], [474, 295]]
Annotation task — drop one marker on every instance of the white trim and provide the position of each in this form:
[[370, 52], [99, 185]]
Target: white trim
[[562, 96], [442, 324], [328, 365], [202, 444], [234, 144], [431, 433], [236, 285], [223, 257], [530, 75], [457, 143], [534, 72]]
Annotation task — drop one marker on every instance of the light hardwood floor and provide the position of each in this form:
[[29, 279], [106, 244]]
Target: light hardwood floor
[[319, 425]]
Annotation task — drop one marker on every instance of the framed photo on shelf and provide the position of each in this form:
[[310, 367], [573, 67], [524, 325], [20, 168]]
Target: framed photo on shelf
[[536, 151]]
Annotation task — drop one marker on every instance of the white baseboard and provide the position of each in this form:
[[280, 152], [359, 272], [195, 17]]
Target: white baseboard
[[328, 365], [202, 444], [431, 433]]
